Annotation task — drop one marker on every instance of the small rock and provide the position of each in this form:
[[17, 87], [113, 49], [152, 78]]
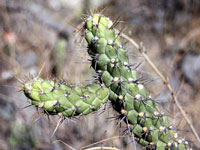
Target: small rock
[[7, 110], [191, 68]]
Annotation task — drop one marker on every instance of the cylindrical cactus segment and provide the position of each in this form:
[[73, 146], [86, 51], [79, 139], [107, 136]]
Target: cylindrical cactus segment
[[59, 98], [128, 96]]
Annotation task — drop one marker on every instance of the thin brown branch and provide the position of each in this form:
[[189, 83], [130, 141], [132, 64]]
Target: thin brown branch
[[65, 144], [102, 148], [104, 140], [165, 81]]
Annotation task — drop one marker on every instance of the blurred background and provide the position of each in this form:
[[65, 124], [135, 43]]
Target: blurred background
[[37, 32]]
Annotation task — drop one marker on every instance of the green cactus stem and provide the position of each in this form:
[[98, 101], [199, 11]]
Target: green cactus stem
[[129, 97], [59, 98]]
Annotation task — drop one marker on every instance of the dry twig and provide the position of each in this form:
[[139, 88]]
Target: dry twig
[[104, 140], [102, 148]]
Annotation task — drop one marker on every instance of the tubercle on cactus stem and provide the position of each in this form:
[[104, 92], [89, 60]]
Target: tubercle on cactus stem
[[128, 96], [60, 98]]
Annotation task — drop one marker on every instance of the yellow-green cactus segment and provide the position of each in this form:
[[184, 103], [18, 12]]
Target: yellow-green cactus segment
[[129, 97], [59, 98]]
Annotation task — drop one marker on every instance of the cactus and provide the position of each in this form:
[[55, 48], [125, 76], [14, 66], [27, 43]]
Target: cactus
[[60, 98], [118, 83], [129, 97]]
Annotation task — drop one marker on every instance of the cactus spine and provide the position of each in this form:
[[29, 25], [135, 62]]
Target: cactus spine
[[59, 98], [128, 96]]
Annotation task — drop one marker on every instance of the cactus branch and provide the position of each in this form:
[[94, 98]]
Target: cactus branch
[[165, 81], [60, 98], [129, 97]]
